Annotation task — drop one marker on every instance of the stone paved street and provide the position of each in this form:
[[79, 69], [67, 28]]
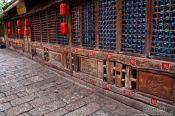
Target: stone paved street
[[29, 89]]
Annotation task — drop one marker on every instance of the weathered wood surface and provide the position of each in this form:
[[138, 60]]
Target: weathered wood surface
[[88, 66], [156, 84], [141, 62]]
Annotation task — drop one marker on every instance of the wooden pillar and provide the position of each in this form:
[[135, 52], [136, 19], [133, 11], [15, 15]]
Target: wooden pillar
[[81, 22], [76, 63], [149, 23], [64, 59], [96, 24], [119, 25], [100, 69], [109, 74], [70, 39], [128, 77], [119, 74]]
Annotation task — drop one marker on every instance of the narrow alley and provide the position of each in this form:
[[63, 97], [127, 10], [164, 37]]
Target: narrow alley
[[28, 88]]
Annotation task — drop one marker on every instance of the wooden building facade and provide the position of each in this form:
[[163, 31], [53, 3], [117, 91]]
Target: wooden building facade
[[126, 47]]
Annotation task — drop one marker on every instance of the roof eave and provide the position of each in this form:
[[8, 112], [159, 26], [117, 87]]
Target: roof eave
[[12, 6]]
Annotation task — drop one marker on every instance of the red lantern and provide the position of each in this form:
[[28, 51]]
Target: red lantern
[[27, 32], [63, 9], [9, 24], [9, 31], [27, 22], [64, 28], [19, 32], [19, 23]]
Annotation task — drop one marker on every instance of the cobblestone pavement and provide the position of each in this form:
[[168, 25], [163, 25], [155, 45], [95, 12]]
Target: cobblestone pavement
[[30, 89]]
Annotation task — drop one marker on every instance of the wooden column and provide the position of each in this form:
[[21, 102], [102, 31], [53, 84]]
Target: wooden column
[[119, 74], [40, 27], [96, 24], [70, 38], [119, 25], [149, 23], [64, 59], [81, 22], [109, 74], [128, 77]]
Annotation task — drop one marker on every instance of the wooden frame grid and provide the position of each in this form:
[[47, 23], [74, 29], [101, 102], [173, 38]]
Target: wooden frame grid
[[88, 26], [133, 26], [52, 27], [45, 27], [76, 23], [36, 27], [63, 40], [120, 26], [163, 40], [107, 24]]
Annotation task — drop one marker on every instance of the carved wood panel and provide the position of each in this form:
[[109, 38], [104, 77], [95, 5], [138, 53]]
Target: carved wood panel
[[89, 66], [40, 52], [156, 84]]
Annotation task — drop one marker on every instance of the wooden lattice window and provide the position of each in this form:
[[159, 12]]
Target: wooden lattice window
[[76, 22], [107, 24], [52, 25], [63, 40], [83, 23], [32, 29], [44, 28], [14, 30], [36, 27], [133, 26], [88, 31], [163, 39]]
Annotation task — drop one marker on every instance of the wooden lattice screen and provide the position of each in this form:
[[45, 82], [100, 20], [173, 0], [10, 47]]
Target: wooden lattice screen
[[36, 27], [76, 22], [44, 27], [88, 20], [83, 23], [133, 26], [63, 40], [52, 25], [163, 39], [95, 24], [107, 24], [15, 30]]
